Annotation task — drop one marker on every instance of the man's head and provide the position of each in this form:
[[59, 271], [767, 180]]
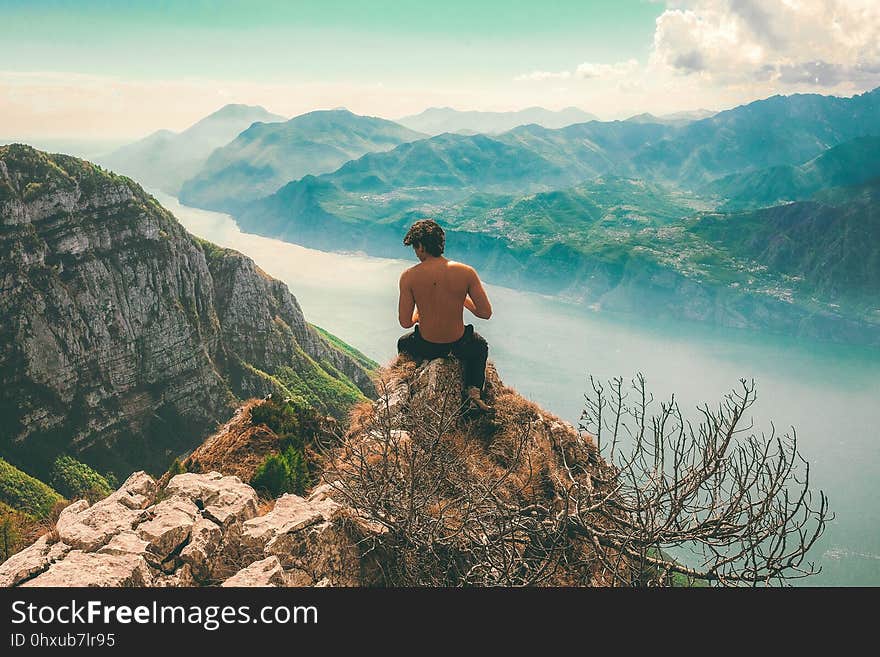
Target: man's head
[[426, 238]]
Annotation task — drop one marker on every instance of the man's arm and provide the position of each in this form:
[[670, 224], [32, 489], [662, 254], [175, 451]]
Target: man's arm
[[406, 305], [479, 305]]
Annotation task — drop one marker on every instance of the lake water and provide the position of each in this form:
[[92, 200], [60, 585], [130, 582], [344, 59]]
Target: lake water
[[546, 348]]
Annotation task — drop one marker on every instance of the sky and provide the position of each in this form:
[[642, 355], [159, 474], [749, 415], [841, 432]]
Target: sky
[[95, 69]]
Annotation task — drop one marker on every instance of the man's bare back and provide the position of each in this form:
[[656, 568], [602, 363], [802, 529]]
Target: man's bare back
[[434, 294]]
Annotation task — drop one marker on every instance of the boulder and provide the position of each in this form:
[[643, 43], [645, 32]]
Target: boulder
[[127, 542], [182, 577], [267, 572], [205, 538], [222, 499], [168, 526], [290, 514], [31, 561], [90, 527], [80, 568]]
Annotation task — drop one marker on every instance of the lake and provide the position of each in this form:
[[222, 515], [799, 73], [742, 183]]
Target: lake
[[546, 348]]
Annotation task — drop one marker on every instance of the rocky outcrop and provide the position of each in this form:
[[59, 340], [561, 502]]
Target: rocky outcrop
[[211, 529], [201, 529], [126, 340]]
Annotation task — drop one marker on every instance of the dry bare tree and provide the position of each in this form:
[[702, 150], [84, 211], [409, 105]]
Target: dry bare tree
[[472, 502], [733, 507]]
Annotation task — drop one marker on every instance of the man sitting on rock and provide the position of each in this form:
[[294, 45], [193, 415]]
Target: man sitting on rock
[[433, 295]]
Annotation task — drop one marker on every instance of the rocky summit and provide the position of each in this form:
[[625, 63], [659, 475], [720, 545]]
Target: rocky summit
[[211, 529], [125, 339]]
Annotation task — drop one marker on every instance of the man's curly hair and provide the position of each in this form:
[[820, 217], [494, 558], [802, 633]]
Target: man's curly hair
[[428, 234]]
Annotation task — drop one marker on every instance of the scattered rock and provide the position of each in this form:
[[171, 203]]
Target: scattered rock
[[80, 568], [205, 538], [31, 561], [291, 514], [222, 499], [169, 525], [267, 572], [90, 527]]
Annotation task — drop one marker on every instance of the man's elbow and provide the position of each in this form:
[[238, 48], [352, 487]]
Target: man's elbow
[[485, 313], [406, 323]]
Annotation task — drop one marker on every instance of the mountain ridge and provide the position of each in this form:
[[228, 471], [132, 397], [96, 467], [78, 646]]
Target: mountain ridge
[[265, 156], [165, 159], [130, 333]]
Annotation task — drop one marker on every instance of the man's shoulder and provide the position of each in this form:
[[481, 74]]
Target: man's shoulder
[[409, 271], [461, 266], [463, 270]]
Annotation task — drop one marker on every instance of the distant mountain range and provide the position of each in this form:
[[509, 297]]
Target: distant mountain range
[[597, 211], [676, 118], [437, 120], [265, 156], [851, 163], [777, 131], [165, 159]]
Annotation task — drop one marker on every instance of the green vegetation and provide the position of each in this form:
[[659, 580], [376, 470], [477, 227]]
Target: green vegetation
[[176, 468], [296, 425], [282, 473], [15, 529], [74, 479], [213, 253], [267, 155], [364, 361], [848, 164], [25, 493]]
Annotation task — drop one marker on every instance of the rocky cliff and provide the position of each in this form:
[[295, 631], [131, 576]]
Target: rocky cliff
[[417, 492], [125, 340]]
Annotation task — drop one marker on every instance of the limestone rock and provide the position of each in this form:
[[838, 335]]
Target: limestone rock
[[291, 514], [267, 572], [89, 528], [127, 542], [31, 561], [93, 569], [205, 538], [127, 323], [169, 525], [182, 577], [222, 499]]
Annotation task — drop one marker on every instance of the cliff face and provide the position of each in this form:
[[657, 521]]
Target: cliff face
[[124, 339]]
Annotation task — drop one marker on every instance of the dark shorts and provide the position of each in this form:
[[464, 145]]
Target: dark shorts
[[471, 349]]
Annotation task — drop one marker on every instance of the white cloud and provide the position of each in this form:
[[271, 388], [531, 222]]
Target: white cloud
[[585, 71], [538, 76], [589, 70], [820, 43]]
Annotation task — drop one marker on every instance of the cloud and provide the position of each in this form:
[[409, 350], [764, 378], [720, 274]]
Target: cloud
[[821, 43], [589, 70], [538, 76], [585, 71]]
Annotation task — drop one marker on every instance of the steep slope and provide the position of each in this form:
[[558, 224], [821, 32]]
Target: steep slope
[[845, 165], [267, 155], [588, 149], [124, 338], [208, 528], [777, 131], [829, 251], [437, 120], [165, 159]]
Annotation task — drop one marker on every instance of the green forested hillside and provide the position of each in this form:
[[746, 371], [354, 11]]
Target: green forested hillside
[[267, 155]]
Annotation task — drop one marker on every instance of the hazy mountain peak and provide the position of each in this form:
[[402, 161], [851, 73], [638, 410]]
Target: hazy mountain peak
[[437, 120], [239, 111]]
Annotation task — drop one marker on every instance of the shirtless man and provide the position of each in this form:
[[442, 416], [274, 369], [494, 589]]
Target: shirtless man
[[433, 296]]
